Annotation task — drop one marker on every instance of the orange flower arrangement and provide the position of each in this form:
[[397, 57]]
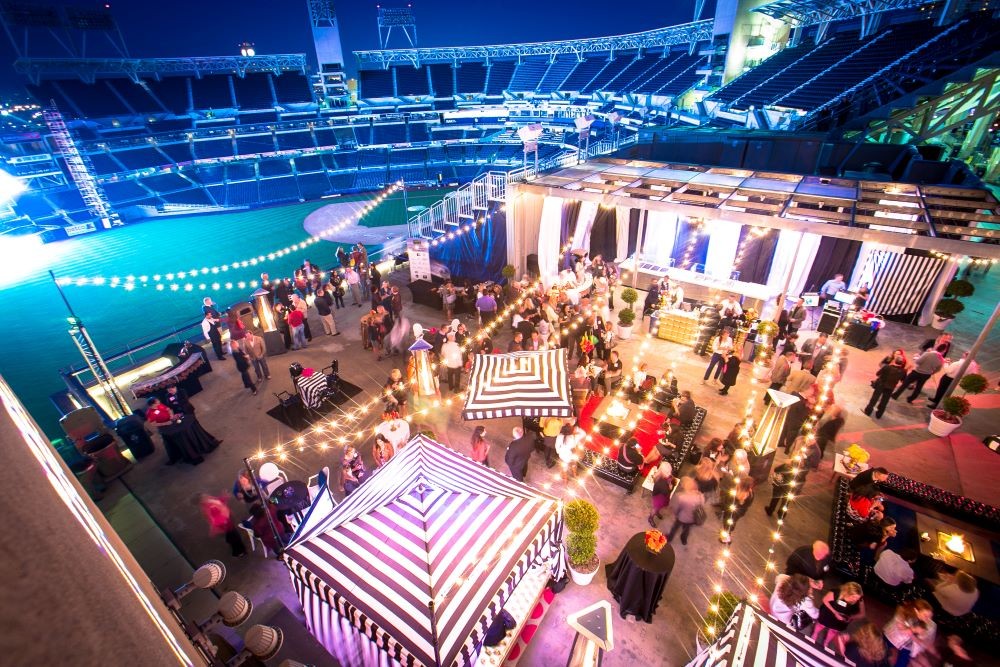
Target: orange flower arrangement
[[655, 541]]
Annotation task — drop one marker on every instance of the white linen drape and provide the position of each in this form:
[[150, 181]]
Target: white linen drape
[[548, 239], [584, 223], [658, 241], [788, 260], [623, 218], [723, 240]]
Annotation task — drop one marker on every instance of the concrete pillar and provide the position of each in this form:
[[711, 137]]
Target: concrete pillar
[[69, 588]]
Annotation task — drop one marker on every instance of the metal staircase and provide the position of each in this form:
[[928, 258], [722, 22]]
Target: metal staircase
[[80, 170]]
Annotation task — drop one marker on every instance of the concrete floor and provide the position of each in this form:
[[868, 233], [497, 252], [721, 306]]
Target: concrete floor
[[899, 441]]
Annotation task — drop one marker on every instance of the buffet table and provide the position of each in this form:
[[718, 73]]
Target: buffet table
[[679, 326]]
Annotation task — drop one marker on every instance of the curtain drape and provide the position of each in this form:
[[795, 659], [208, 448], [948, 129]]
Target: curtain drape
[[756, 264], [794, 259], [479, 254], [658, 240], [584, 222], [834, 256], [548, 239], [623, 216], [570, 213], [723, 240], [699, 247], [603, 234]]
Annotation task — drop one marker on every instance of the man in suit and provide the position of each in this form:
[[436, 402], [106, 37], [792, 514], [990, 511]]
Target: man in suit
[[177, 400], [519, 452]]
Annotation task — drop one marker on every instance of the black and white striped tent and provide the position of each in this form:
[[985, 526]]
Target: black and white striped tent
[[754, 638], [519, 384], [412, 568]]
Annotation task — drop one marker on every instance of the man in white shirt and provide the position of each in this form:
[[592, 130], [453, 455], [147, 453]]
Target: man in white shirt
[[950, 372], [451, 357], [354, 284], [729, 311], [957, 594], [720, 346], [830, 288], [893, 569]]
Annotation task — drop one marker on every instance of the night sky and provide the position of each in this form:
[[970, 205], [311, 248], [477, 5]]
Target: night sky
[[160, 28]]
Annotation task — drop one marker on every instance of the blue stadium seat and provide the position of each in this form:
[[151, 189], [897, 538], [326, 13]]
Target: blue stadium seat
[[375, 83], [172, 92], [610, 71], [584, 72], [373, 158], [217, 193], [308, 163], [169, 125], [213, 148], [292, 88], [166, 183], [295, 140], [253, 91], [419, 132], [444, 134], [557, 72], [191, 196], [411, 81], [313, 186], [240, 171], [471, 77], [341, 182], [442, 80], [135, 95], [635, 70], [252, 144], [498, 79], [121, 192], [104, 163], [246, 193], [212, 92], [275, 167], [389, 134], [677, 75], [325, 137], [206, 174], [179, 153], [279, 189], [733, 91], [528, 75], [370, 180], [258, 117], [140, 158], [406, 156], [68, 200], [94, 100]]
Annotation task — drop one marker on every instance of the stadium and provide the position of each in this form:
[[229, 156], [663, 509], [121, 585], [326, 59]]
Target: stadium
[[759, 154]]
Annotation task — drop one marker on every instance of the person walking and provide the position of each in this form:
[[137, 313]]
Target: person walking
[[354, 284], [382, 450], [519, 452], [688, 506], [216, 511], [720, 346], [949, 375], [796, 316], [451, 359], [210, 326], [924, 366], [253, 345], [829, 427], [729, 372], [480, 446], [567, 447], [324, 308], [734, 510], [663, 484], [780, 371], [551, 426], [243, 368], [785, 480], [809, 349]]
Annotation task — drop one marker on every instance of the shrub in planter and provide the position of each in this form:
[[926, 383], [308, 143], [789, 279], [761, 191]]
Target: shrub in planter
[[626, 317], [508, 271], [582, 520], [629, 296], [948, 308], [973, 383], [720, 607], [768, 328], [954, 408], [960, 288]]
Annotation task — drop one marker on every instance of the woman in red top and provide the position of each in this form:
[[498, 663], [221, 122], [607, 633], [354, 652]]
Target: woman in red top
[[220, 522], [157, 412]]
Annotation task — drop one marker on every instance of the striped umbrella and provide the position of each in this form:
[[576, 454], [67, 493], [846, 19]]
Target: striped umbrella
[[423, 556], [752, 637], [525, 384]]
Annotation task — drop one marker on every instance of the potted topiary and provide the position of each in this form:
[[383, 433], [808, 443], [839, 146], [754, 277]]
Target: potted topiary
[[973, 383], [720, 608], [949, 417], [950, 306], [582, 520], [626, 317], [508, 272], [629, 296]]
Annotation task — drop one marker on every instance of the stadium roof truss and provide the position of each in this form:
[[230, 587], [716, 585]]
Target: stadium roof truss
[[88, 69], [687, 33], [803, 13], [956, 220]]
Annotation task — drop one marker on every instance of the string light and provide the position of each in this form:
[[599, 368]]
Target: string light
[[696, 228], [171, 278], [463, 229], [959, 259]]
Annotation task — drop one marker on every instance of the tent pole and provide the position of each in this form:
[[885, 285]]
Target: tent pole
[[973, 351], [263, 499]]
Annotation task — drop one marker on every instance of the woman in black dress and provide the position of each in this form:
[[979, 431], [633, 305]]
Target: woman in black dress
[[730, 370], [836, 613]]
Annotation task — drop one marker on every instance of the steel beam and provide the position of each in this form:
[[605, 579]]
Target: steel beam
[[135, 68], [801, 13], [663, 37]]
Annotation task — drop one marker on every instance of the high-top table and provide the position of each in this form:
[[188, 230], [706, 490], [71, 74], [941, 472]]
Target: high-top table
[[638, 577]]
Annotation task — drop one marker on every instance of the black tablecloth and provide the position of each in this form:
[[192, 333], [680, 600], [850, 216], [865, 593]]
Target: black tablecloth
[[861, 336], [638, 577], [291, 496], [187, 441]]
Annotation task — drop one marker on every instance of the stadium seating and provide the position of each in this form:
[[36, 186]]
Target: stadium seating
[[325, 137], [610, 71], [246, 193], [341, 182], [372, 158], [441, 80], [733, 92], [556, 74], [389, 134], [313, 186], [499, 76], [584, 72], [411, 81], [375, 83], [419, 132], [278, 189], [471, 77], [170, 125], [292, 88], [213, 148], [190, 197], [103, 163], [295, 140], [307, 163], [679, 74], [252, 144], [136, 96], [141, 158], [635, 70], [94, 100], [253, 91], [240, 171], [178, 153], [166, 182], [173, 93], [122, 192], [276, 167], [528, 75], [212, 92]]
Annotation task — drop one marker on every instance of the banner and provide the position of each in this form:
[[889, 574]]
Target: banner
[[420, 260]]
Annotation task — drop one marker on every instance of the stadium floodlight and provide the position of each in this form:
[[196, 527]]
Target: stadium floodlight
[[233, 610], [583, 124], [247, 50], [530, 134], [208, 575], [261, 641], [11, 187]]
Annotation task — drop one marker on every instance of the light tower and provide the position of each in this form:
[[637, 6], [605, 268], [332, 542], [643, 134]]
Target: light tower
[[329, 52], [396, 18]]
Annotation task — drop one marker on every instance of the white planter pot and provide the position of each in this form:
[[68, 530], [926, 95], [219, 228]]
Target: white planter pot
[[624, 332], [581, 578], [941, 323], [940, 427]]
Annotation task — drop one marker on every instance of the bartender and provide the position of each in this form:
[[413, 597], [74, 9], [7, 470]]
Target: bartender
[[730, 310], [862, 296], [830, 288], [675, 295]]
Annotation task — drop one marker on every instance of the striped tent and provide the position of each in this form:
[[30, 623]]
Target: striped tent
[[526, 384], [754, 638], [421, 558]]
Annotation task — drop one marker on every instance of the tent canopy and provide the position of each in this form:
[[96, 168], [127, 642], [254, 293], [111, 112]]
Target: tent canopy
[[519, 384], [423, 556], [752, 638]]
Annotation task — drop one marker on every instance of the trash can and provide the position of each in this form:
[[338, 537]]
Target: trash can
[[132, 432], [101, 447], [654, 322]]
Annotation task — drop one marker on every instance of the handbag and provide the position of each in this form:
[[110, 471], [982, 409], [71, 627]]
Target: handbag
[[700, 515], [799, 620]]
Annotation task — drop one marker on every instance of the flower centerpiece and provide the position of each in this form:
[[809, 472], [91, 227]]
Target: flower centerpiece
[[655, 541], [855, 458]]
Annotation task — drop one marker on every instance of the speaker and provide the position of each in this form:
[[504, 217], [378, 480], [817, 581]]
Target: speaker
[[828, 322], [531, 261]]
